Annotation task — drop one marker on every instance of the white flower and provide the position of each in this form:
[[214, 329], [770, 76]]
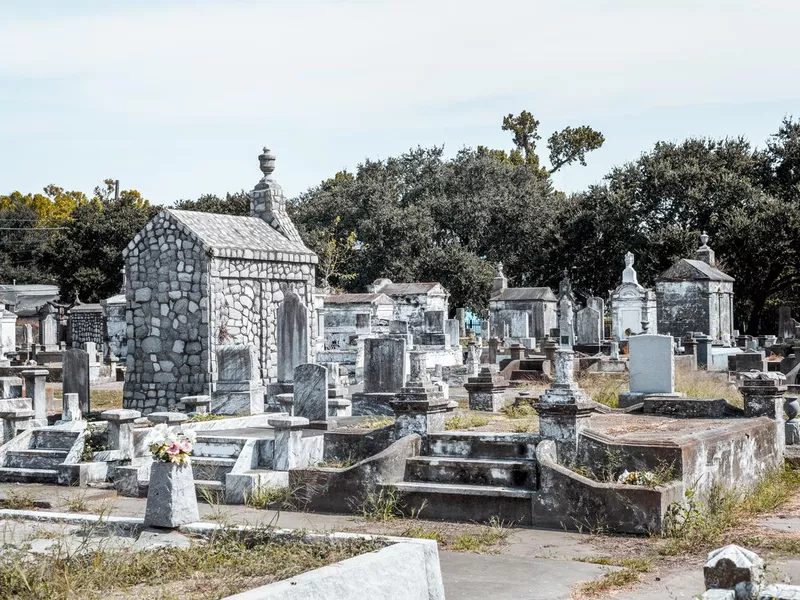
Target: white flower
[[191, 435]]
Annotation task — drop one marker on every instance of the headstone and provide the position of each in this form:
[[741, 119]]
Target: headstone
[[75, 375], [28, 337], [35, 383], [398, 327], [452, 330], [384, 364], [238, 390], [734, 567], [614, 350], [363, 323], [704, 343], [292, 336], [589, 326], [48, 328], [652, 369], [461, 317], [434, 321], [311, 392]]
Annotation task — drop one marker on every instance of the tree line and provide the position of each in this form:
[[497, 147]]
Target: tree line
[[422, 216]]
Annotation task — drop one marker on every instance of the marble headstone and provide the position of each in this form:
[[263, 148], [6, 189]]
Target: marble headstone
[[384, 364], [292, 336], [75, 374], [651, 364], [311, 392]]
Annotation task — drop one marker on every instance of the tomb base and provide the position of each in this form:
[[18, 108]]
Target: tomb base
[[628, 399], [792, 433], [372, 403], [246, 398], [486, 391]]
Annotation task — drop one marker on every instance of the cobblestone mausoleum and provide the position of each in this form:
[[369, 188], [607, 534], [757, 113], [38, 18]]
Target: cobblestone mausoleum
[[197, 281]]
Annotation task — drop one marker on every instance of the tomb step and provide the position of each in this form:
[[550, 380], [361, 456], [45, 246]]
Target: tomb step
[[210, 491], [211, 468], [218, 447], [472, 471], [18, 475], [452, 502], [532, 364], [527, 375], [482, 444], [53, 439], [35, 458]]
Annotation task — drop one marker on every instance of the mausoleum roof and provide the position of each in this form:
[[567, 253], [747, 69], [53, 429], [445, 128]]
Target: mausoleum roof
[[233, 236], [402, 289], [687, 269], [26, 299], [358, 299], [524, 293]]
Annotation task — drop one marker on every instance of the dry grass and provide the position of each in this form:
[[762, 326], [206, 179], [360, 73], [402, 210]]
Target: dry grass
[[701, 384], [629, 572], [465, 421], [227, 564], [375, 422], [99, 400], [604, 389]]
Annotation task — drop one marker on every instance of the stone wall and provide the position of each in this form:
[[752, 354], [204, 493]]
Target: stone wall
[[167, 314], [245, 296], [86, 325]]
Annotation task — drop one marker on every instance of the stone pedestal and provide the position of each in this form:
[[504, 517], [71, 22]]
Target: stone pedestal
[[15, 415], [120, 429], [10, 387], [563, 424], [734, 568], [517, 352], [763, 394], [171, 498], [288, 452], [35, 380], [71, 408], [473, 358], [486, 391], [419, 407], [196, 404], [549, 347]]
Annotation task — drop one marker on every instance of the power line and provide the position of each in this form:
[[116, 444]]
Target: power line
[[31, 228]]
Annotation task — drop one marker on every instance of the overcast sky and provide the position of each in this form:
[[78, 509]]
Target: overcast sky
[[177, 98]]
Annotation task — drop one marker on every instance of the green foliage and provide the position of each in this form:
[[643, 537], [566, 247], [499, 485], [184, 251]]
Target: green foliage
[[237, 203]]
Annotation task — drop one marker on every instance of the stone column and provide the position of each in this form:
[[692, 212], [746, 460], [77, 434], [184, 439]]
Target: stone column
[[517, 352], [690, 347], [704, 351], [288, 452], [419, 407], [486, 391], [35, 380], [473, 358], [563, 409], [549, 347], [120, 429]]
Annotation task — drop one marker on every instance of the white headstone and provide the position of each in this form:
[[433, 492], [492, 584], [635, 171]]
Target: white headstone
[[651, 364]]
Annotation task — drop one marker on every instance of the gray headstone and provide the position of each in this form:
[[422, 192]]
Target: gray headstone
[[292, 336], [311, 392], [71, 408], [453, 332], [48, 330], [237, 362], [384, 360], [75, 375], [651, 364], [589, 326], [434, 321], [785, 324], [363, 323]]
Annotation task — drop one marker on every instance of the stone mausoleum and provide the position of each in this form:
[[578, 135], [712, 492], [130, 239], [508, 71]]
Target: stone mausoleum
[[413, 300], [197, 281], [694, 295], [528, 312], [631, 304]]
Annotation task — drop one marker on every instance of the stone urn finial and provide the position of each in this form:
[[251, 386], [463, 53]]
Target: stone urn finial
[[704, 239], [266, 162]]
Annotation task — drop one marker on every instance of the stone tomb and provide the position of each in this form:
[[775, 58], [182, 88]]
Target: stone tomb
[[589, 323], [238, 390], [311, 392], [486, 391], [384, 375]]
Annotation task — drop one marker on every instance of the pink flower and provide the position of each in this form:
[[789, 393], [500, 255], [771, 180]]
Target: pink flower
[[173, 449], [185, 446]]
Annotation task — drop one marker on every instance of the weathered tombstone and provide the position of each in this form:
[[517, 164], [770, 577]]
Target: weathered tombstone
[[311, 392], [27, 342], [786, 328], [48, 328], [71, 408], [75, 374], [292, 335], [384, 361], [651, 364], [363, 323], [589, 326], [453, 332], [434, 321], [704, 343], [398, 327], [461, 317], [732, 567], [239, 390]]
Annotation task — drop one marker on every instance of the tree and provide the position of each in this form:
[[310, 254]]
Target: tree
[[566, 146], [237, 203]]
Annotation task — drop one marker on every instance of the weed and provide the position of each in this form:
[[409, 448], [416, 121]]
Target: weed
[[338, 463], [266, 496], [488, 536], [385, 504], [417, 531], [200, 417], [701, 384], [371, 423], [18, 500], [465, 421], [519, 411], [604, 389], [94, 440], [77, 502], [627, 575], [527, 426]]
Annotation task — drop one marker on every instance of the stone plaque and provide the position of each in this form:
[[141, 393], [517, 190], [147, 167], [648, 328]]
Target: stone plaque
[[292, 336], [76, 376], [384, 360]]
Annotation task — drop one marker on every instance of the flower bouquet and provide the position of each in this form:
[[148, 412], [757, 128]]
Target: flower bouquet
[[172, 447]]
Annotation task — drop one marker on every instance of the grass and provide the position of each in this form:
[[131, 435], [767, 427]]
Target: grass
[[200, 417], [701, 384], [228, 563], [629, 573], [702, 525], [266, 496], [77, 502], [383, 504], [480, 541], [519, 411], [604, 389], [338, 463], [99, 400], [465, 421], [18, 500], [371, 423]]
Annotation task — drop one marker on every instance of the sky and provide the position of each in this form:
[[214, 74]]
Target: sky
[[176, 99]]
